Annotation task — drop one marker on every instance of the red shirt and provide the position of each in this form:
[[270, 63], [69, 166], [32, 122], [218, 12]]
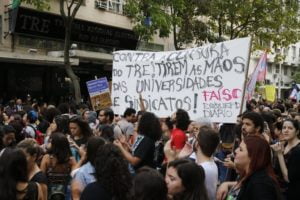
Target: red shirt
[[178, 139]]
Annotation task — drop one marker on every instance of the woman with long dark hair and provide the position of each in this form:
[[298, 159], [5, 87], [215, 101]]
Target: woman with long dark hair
[[149, 184], [288, 154], [149, 131], [112, 175], [60, 123], [85, 174], [14, 184], [257, 179], [80, 130], [80, 133], [185, 180], [57, 164]]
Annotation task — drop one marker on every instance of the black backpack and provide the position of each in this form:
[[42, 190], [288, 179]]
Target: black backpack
[[58, 182]]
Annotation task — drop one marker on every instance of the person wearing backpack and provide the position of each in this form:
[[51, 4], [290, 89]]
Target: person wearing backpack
[[30, 130], [57, 164]]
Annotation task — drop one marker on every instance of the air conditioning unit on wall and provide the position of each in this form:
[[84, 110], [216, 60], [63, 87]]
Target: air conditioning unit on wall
[[101, 4]]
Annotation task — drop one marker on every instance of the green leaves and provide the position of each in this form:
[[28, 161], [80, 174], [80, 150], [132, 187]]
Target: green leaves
[[275, 20], [296, 77], [161, 14]]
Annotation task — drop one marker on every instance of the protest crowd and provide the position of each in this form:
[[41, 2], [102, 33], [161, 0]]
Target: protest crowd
[[73, 152]]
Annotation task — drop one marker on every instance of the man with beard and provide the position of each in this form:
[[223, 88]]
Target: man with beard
[[106, 118], [252, 124]]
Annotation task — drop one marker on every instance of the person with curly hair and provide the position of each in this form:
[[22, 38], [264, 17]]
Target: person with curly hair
[[112, 175], [80, 130], [80, 133], [142, 151]]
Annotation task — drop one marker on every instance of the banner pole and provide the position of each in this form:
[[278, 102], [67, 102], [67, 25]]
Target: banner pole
[[246, 76]]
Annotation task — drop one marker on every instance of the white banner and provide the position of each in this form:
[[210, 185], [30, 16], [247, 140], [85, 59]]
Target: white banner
[[206, 81]]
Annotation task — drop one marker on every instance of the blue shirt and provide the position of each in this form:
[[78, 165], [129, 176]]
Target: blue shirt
[[85, 175]]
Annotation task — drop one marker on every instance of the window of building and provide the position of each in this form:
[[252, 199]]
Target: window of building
[[292, 73], [269, 68], [294, 52], [277, 69], [285, 70], [116, 6], [286, 51], [110, 5], [0, 29]]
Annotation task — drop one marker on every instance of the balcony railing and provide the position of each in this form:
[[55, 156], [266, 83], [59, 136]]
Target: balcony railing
[[115, 6]]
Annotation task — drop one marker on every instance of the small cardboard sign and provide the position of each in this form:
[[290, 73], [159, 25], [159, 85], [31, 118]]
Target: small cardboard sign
[[99, 93]]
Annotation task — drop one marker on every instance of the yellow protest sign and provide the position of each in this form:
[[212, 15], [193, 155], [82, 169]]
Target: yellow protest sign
[[270, 92]]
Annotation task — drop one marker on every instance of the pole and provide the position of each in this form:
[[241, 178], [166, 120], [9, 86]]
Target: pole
[[280, 80], [246, 76]]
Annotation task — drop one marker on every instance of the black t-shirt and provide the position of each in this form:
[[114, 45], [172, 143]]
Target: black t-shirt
[[40, 177], [145, 151], [32, 192], [95, 191], [259, 186], [292, 159], [81, 141]]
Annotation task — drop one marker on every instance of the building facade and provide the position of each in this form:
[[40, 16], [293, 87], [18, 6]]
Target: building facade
[[32, 41], [279, 73], [31, 49]]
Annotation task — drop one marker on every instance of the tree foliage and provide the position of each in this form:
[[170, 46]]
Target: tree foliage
[[178, 16], [194, 28], [153, 17], [265, 21], [296, 77], [197, 21]]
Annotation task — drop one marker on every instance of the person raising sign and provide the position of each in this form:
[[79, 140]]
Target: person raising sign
[[181, 121]]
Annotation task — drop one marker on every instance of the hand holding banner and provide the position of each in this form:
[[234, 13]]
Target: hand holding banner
[[99, 93], [206, 81]]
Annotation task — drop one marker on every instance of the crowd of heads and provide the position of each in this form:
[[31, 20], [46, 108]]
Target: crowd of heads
[[138, 155]]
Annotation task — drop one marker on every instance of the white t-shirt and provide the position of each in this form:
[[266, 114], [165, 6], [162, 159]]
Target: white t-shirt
[[211, 178], [30, 130], [127, 128]]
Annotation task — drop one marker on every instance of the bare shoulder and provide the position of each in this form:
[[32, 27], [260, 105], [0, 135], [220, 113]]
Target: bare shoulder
[[72, 161]]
